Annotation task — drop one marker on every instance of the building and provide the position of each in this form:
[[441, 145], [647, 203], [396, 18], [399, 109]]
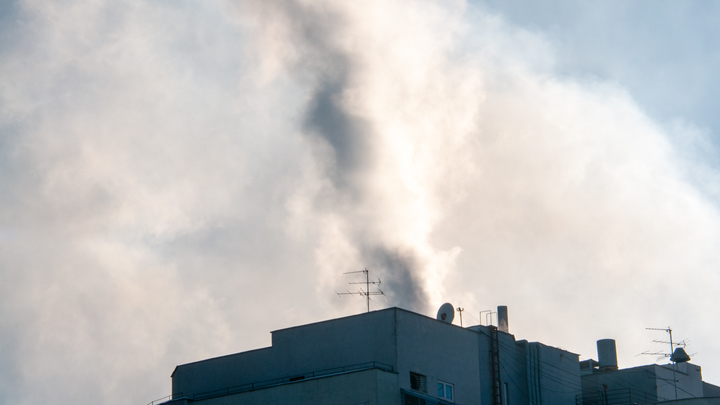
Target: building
[[392, 356], [603, 383], [398, 357]]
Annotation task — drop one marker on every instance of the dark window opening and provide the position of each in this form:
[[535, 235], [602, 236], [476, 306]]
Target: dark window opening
[[418, 382]]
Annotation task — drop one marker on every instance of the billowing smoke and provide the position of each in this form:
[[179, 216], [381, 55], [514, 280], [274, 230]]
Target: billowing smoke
[[389, 112], [179, 179]]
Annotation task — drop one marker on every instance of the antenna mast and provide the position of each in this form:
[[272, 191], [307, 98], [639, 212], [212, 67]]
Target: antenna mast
[[672, 349], [367, 293]]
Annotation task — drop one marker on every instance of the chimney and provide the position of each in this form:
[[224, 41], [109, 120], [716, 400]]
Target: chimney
[[607, 355], [502, 315]]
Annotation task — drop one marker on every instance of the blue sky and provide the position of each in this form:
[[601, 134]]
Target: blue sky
[[664, 53]]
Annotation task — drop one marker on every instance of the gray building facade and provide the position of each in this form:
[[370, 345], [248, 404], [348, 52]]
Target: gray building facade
[[391, 356]]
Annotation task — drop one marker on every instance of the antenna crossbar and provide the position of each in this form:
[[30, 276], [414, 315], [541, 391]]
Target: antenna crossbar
[[367, 293]]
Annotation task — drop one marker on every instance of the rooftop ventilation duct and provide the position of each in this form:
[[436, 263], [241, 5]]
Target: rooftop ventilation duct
[[502, 314]]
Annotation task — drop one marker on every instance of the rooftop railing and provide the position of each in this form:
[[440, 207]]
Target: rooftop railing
[[166, 398]]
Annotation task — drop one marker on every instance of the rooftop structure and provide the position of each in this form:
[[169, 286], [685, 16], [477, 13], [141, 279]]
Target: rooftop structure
[[398, 357], [603, 383], [392, 356]]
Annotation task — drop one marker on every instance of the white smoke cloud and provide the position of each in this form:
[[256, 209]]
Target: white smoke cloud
[[390, 111], [180, 179]]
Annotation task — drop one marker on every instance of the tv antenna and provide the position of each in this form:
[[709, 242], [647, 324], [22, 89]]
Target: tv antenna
[[673, 345], [367, 293], [676, 355], [460, 310]]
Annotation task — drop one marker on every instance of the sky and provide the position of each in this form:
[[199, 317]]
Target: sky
[[180, 178]]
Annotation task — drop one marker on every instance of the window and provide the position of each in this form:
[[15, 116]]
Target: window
[[418, 382], [446, 390]]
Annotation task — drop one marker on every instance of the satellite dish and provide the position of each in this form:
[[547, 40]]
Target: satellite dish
[[446, 313]]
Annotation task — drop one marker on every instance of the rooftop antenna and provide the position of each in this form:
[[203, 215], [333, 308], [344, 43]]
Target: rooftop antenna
[[460, 311], [367, 293], [676, 356]]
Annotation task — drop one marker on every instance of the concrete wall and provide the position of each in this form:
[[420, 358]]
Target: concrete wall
[[652, 381], [559, 371], [710, 390], [339, 342], [689, 381], [404, 340], [441, 352], [641, 380], [369, 387], [308, 348], [531, 373], [513, 369], [223, 372]]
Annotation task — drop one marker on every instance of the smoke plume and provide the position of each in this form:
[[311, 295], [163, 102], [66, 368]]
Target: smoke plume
[[177, 180]]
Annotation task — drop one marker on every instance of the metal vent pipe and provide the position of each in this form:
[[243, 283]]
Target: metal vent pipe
[[502, 314]]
